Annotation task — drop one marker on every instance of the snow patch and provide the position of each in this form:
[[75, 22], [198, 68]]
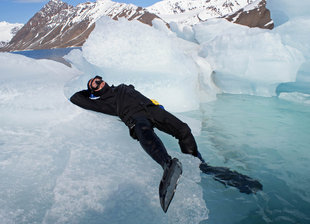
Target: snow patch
[[8, 30]]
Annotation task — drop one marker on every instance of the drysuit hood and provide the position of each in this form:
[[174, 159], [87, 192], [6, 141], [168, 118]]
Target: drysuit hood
[[105, 90]]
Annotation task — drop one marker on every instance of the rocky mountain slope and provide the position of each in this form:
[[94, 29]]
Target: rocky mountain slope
[[253, 15], [191, 12], [59, 25]]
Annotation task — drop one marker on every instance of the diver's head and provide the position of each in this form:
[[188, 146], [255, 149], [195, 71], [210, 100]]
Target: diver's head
[[97, 87], [95, 84]]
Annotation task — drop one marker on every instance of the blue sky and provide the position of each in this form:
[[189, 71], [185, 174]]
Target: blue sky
[[20, 11]]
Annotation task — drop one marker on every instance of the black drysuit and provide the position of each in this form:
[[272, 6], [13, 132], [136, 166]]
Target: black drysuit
[[140, 114]]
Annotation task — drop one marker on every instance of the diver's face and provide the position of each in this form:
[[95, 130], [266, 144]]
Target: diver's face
[[97, 84]]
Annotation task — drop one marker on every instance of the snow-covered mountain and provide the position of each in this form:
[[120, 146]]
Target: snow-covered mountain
[[191, 12], [194, 11], [59, 25], [7, 31]]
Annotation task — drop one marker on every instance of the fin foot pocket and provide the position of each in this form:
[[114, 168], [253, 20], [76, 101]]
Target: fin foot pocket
[[169, 182]]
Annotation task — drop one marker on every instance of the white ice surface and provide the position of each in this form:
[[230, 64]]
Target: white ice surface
[[284, 10], [247, 60], [62, 164]]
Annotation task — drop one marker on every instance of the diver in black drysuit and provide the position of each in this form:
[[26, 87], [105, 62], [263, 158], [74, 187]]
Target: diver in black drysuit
[[141, 115]]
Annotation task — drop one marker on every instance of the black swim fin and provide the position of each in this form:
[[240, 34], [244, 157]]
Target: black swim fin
[[168, 183], [244, 183]]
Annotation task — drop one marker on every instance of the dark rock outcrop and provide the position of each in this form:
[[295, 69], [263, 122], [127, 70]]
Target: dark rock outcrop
[[253, 16]]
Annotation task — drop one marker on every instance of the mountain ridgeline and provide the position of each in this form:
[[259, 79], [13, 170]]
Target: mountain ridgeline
[[59, 25]]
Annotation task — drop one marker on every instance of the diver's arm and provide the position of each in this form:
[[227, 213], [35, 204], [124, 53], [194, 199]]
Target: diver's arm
[[82, 99]]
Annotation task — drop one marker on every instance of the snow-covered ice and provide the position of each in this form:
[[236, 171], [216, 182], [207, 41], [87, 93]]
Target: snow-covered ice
[[245, 60], [7, 31], [59, 164]]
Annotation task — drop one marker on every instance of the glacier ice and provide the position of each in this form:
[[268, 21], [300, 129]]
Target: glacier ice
[[210, 58], [285, 10], [60, 163], [296, 33], [247, 60], [159, 64]]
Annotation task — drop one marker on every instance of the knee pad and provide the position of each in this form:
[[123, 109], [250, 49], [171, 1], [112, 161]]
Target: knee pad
[[142, 128], [143, 124]]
